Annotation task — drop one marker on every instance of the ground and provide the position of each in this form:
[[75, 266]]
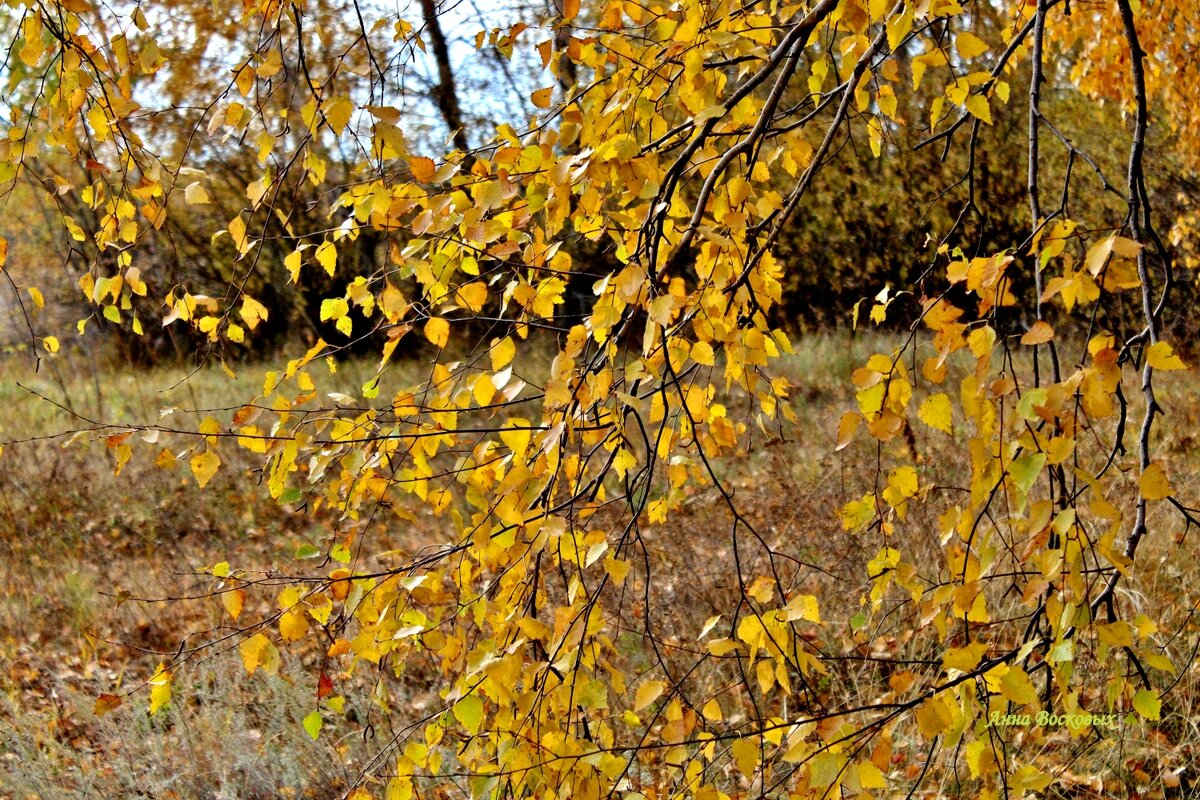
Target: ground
[[102, 578]]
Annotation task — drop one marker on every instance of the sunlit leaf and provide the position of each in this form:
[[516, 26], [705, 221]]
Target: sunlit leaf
[[204, 466]]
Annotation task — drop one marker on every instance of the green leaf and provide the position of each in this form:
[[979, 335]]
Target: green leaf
[[307, 551], [1025, 471], [313, 723], [469, 712], [1146, 703]]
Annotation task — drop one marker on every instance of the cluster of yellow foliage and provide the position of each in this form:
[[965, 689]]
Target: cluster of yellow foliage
[[691, 134]]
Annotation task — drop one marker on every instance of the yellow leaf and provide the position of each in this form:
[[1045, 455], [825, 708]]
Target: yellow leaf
[[234, 600], [857, 513], [210, 428], [195, 194], [252, 651], [1016, 687], [437, 331], [936, 412], [647, 693], [244, 79], [978, 107], [204, 466], [847, 425], [934, 717], [253, 312], [965, 658], [617, 569], [1116, 634], [165, 459], [36, 295], [805, 607], [712, 711], [1160, 355], [334, 308], [541, 98], [502, 352], [469, 712], [327, 257], [237, 230], [745, 753], [1153, 484], [160, 689], [338, 114], [393, 303], [312, 724], [51, 344], [702, 353], [483, 390], [969, 45], [870, 776], [292, 625], [292, 262], [473, 295]]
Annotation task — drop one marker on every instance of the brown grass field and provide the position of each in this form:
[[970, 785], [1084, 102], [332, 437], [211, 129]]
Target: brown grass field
[[87, 558]]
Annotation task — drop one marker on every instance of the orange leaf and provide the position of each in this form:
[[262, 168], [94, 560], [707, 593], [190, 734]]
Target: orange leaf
[[106, 703], [1039, 333], [422, 168], [846, 428]]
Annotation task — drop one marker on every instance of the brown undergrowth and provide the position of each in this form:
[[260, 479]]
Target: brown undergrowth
[[103, 577]]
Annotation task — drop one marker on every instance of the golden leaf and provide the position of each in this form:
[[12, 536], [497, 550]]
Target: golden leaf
[[204, 466], [647, 693], [1153, 483], [233, 600], [1160, 355], [437, 331], [1039, 333], [423, 168]]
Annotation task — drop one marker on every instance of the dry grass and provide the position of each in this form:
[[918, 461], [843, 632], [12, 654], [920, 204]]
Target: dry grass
[[74, 536]]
